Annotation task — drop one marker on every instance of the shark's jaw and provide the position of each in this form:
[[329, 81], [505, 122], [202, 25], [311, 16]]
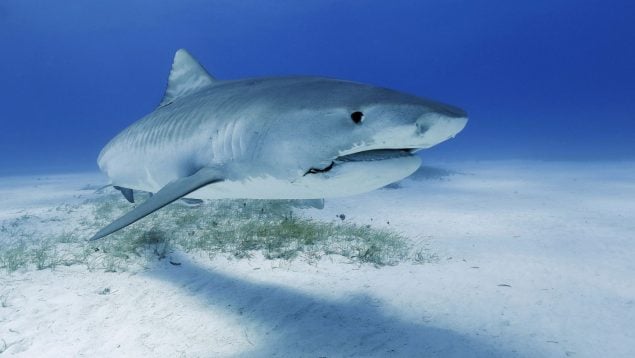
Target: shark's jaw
[[359, 172], [371, 155]]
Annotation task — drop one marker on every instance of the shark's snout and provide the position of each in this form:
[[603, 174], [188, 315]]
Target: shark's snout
[[435, 128]]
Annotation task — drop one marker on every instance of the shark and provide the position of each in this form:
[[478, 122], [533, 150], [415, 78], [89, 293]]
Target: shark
[[293, 137]]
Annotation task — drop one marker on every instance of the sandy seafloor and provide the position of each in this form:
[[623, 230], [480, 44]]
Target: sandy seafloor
[[535, 259]]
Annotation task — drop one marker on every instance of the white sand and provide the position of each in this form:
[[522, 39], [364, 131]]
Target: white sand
[[535, 259]]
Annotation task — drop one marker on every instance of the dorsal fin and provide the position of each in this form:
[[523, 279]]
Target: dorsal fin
[[186, 77]]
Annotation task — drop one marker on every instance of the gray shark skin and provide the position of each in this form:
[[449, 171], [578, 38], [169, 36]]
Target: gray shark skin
[[270, 138]]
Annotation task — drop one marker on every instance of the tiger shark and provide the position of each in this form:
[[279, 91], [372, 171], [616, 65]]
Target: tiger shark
[[270, 138]]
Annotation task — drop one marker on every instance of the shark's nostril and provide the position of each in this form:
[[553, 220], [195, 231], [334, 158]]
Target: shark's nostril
[[436, 128], [422, 127]]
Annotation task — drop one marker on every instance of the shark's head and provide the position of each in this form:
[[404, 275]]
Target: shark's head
[[348, 137]]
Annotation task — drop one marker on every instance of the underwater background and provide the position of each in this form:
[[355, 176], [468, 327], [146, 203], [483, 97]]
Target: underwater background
[[547, 80], [515, 239]]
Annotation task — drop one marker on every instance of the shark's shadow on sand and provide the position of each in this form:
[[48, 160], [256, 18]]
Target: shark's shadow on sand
[[289, 323], [425, 173]]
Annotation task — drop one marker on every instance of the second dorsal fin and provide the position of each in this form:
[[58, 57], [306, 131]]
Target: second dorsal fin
[[186, 77]]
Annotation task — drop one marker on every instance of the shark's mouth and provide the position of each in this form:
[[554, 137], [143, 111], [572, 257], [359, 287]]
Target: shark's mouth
[[364, 156]]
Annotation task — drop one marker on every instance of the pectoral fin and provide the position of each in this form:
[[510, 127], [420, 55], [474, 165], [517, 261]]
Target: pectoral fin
[[169, 193]]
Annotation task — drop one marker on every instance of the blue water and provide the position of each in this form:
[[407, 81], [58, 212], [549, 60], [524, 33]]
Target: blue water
[[549, 80]]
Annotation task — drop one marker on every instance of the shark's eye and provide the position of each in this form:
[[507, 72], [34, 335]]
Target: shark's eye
[[357, 117]]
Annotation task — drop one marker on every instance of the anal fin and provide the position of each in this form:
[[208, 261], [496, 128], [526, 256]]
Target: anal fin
[[169, 193]]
